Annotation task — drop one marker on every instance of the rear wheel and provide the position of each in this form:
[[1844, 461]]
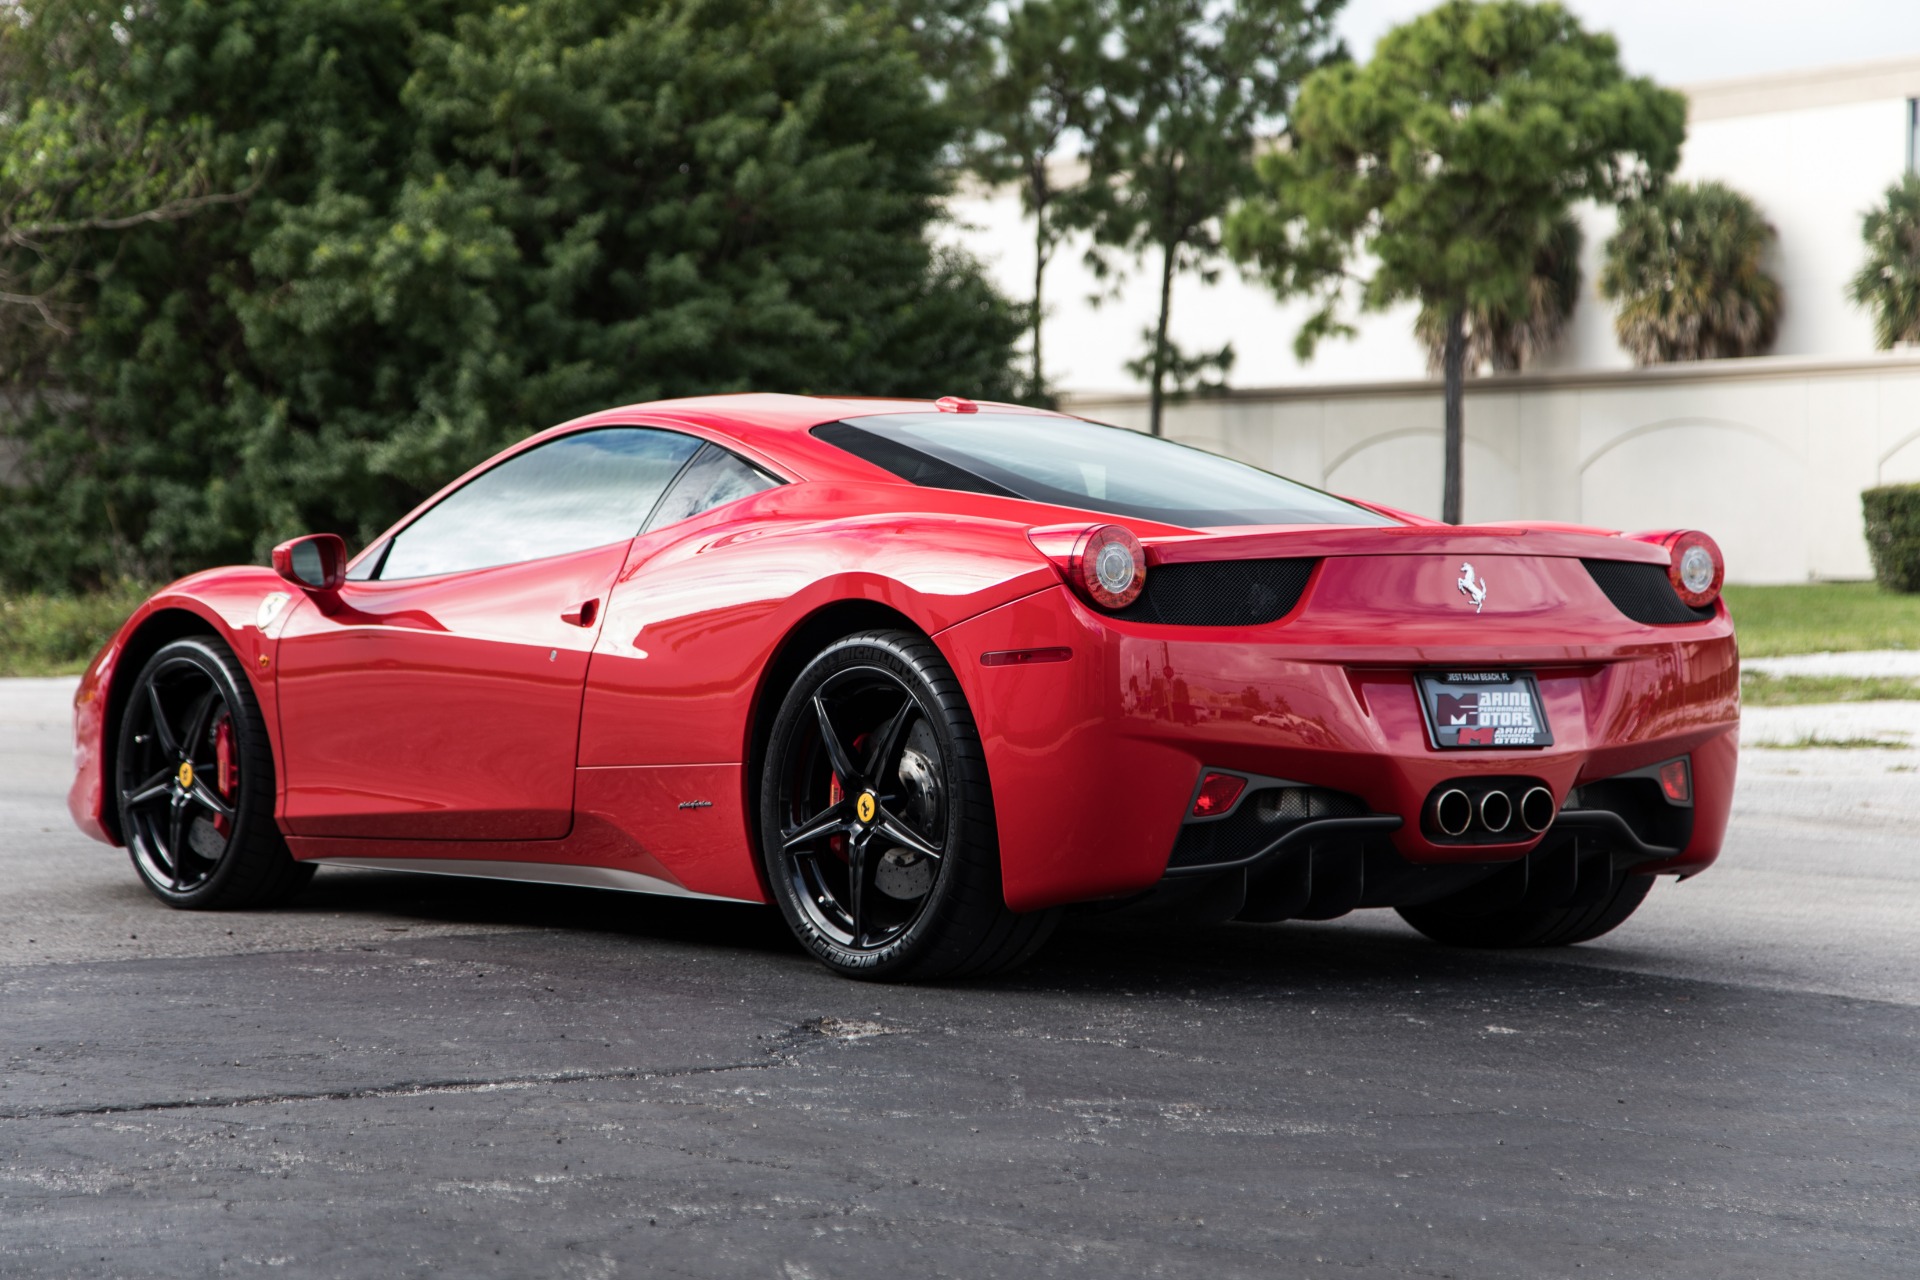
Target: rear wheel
[[1457, 921], [194, 784], [876, 821]]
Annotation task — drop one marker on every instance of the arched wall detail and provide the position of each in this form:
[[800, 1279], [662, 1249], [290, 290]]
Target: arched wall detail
[[1880, 463], [1380, 473], [1326, 472], [1755, 508], [1670, 424]]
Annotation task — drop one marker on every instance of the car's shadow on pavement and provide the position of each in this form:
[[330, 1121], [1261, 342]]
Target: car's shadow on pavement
[[1088, 954], [456, 900]]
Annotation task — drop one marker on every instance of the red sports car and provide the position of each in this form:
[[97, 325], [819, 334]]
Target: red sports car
[[926, 675]]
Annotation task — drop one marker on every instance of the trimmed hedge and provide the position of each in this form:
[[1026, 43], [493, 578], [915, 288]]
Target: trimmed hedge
[[1893, 535]]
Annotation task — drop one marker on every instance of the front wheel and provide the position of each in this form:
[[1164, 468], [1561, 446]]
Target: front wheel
[[194, 782], [1458, 922], [876, 819]]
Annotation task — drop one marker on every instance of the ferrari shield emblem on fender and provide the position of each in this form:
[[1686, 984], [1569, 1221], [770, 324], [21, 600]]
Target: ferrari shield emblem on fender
[[270, 609], [1474, 591], [865, 807]]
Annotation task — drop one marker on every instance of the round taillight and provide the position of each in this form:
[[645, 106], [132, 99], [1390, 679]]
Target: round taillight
[[1695, 567], [1111, 566]]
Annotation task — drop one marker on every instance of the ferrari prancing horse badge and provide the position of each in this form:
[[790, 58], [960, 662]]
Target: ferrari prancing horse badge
[[1474, 591]]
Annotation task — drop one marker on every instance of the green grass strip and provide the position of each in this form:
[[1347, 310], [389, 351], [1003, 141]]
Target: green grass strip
[[1822, 617], [1811, 740], [1760, 690]]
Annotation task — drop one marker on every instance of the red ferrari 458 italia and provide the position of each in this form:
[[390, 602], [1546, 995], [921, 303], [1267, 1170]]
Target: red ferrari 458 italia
[[925, 676]]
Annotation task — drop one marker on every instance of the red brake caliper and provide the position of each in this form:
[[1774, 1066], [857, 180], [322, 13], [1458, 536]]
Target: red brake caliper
[[226, 775], [835, 794]]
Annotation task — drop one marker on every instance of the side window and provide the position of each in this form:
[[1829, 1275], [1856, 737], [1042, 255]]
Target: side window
[[579, 491], [369, 566], [714, 477]]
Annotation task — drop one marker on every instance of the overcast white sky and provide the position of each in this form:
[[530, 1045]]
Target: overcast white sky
[[1681, 41]]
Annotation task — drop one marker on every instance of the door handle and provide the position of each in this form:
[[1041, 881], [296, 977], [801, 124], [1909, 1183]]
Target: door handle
[[582, 615]]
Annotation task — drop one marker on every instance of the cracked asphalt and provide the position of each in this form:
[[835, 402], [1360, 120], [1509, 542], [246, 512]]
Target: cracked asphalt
[[404, 1076]]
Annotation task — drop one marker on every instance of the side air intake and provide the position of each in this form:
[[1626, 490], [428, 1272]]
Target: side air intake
[[1220, 593], [1643, 592]]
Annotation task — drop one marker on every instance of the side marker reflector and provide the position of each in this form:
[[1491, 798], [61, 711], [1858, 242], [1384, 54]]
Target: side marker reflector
[[1217, 793], [1676, 781], [1024, 657]]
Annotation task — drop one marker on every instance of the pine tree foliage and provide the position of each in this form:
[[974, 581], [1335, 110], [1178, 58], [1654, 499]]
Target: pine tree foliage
[[463, 222], [1687, 271], [1888, 284]]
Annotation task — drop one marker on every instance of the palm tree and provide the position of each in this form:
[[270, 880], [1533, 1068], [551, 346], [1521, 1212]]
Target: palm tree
[[1889, 283], [1505, 342], [1687, 269]]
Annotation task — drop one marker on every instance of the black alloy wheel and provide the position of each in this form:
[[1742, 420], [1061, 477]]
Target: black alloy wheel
[[877, 819], [193, 780]]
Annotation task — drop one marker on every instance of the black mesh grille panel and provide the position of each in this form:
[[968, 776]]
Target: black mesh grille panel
[[1220, 593], [1643, 592], [1262, 818]]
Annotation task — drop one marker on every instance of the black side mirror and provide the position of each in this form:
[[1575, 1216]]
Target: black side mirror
[[315, 563]]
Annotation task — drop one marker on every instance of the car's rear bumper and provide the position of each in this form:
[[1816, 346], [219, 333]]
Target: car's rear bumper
[[1094, 759]]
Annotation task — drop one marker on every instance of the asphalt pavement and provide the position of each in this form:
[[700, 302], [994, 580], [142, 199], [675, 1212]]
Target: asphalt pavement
[[404, 1075]]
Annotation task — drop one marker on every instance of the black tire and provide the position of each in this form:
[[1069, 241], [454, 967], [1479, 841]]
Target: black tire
[[1456, 922], [193, 779], [902, 791]]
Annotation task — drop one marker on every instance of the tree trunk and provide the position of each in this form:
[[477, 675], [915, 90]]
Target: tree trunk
[[1039, 275], [1454, 361], [1157, 400]]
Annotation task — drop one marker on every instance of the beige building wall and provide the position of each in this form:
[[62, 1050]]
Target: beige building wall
[[1767, 455]]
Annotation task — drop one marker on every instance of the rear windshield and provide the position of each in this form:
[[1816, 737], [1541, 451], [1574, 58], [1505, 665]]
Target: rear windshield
[[1070, 463]]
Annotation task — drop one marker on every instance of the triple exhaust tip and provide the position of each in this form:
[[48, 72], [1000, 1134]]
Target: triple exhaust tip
[[1496, 811], [1454, 811], [1537, 809]]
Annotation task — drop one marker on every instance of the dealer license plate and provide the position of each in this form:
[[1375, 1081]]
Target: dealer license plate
[[1483, 709]]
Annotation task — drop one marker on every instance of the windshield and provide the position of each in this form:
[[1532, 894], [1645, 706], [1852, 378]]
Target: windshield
[[1069, 463]]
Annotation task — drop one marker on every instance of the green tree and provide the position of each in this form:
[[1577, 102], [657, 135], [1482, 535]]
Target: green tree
[[1889, 280], [1504, 340], [134, 464], [952, 39], [1687, 269], [1046, 75], [478, 221], [1192, 85], [70, 169], [1446, 162]]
